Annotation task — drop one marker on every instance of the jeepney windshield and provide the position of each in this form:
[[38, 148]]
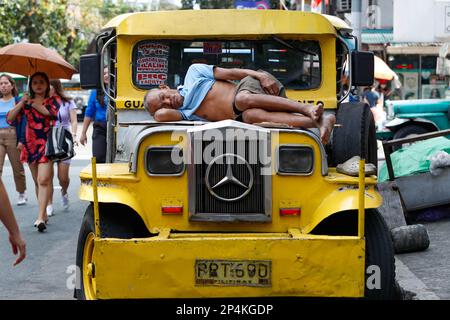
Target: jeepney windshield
[[297, 64]]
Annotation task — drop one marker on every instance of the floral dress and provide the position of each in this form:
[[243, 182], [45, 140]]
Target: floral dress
[[37, 128]]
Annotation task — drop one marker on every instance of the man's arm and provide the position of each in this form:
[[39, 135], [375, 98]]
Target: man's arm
[[267, 83], [7, 218], [86, 122], [165, 115]]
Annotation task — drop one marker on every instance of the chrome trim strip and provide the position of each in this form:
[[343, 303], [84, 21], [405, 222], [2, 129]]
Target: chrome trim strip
[[192, 184], [164, 128], [349, 63], [225, 124], [102, 65], [277, 160]]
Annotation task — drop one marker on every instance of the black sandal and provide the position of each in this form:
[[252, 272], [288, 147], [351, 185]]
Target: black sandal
[[41, 227]]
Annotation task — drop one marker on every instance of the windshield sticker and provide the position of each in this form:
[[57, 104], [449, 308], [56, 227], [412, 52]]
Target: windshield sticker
[[212, 47], [152, 64]]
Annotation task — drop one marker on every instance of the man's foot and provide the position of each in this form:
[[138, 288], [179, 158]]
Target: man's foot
[[326, 124], [316, 112], [22, 199]]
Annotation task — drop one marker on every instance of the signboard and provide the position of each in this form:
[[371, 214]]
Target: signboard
[[252, 4], [151, 64]]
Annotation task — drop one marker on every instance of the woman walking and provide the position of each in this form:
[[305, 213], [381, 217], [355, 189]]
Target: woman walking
[[8, 137], [40, 111], [67, 117]]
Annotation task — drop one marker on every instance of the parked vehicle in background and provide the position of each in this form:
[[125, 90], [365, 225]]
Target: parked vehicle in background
[[406, 118], [79, 95]]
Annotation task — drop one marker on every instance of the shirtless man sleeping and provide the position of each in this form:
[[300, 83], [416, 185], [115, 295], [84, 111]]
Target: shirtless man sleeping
[[207, 94]]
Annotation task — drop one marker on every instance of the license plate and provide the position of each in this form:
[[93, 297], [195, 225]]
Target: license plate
[[233, 273]]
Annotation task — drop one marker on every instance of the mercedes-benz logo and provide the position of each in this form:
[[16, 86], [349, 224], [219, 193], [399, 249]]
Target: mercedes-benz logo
[[229, 177]]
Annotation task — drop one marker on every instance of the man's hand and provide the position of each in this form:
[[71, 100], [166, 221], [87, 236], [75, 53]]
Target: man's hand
[[18, 246], [268, 84], [83, 138]]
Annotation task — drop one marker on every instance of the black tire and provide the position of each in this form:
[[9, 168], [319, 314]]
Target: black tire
[[112, 225], [346, 139], [405, 131], [87, 227], [379, 253]]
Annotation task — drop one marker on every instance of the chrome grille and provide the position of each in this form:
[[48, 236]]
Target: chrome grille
[[207, 205], [253, 202]]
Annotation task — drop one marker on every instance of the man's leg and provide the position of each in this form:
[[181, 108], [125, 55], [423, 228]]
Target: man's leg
[[325, 123], [246, 100]]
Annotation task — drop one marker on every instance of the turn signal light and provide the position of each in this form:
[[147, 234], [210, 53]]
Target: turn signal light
[[290, 212], [172, 210]]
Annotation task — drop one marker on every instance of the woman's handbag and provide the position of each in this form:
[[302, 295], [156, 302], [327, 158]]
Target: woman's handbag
[[59, 145]]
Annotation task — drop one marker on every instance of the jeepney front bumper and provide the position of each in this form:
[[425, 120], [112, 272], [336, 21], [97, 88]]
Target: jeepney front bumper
[[165, 266]]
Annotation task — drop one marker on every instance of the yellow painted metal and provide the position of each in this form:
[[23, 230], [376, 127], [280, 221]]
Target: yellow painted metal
[[95, 196], [88, 275], [338, 23], [230, 23], [361, 202], [163, 267], [318, 196]]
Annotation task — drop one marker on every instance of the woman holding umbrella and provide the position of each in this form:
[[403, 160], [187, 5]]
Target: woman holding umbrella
[[40, 111]]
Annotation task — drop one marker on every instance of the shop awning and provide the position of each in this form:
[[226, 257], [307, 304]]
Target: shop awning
[[377, 36], [422, 48]]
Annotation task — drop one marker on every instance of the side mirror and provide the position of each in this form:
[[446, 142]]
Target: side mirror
[[362, 68], [90, 71]]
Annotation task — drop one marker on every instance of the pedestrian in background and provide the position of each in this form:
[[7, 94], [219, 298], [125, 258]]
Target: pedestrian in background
[[371, 96], [8, 136], [7, 218], [96, 109], [67, 117], [40, 111]]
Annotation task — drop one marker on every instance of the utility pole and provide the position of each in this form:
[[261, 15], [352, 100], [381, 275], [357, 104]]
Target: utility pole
[[356, 20]]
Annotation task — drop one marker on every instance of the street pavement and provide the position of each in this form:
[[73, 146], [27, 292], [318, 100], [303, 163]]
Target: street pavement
[[48, 271]]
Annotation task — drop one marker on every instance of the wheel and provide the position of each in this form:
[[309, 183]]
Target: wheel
[[346, 139], [116, 221], [379, 259], [86, 286], [408, 131]]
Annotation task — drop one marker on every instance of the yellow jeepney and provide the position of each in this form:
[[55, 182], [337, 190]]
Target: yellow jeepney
[[161, 224]]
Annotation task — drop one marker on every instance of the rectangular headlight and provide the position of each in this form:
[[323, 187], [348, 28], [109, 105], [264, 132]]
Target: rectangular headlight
[[164, 161], [295, 159]]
